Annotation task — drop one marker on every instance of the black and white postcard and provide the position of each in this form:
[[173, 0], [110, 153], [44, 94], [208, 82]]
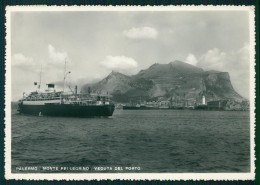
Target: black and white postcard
[[128, 92]]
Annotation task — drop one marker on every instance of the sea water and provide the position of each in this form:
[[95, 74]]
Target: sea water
[[133, 141]]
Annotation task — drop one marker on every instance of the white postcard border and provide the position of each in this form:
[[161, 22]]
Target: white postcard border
[[128, 176]]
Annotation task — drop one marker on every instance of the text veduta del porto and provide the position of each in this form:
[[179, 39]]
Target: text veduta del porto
[[95, 168]]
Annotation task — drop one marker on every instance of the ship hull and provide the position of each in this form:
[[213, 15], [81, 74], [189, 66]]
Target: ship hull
[[68, 110], [140, 108]]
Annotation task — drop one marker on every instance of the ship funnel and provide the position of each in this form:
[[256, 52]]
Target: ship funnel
[[51, 85]]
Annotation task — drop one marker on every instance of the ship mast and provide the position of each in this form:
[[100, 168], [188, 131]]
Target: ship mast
[[65, 74], [39, 87]]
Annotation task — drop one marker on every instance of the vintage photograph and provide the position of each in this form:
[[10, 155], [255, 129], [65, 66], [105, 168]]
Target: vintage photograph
[[163, 92]]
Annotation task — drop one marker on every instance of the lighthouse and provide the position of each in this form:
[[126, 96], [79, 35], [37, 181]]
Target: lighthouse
[[203, 100]]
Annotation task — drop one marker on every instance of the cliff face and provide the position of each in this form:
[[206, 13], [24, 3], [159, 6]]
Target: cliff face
[[176, 79], [218, 85], [112, 83]]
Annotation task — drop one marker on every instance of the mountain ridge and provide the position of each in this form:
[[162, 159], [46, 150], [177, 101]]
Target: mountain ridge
[[175, 79]]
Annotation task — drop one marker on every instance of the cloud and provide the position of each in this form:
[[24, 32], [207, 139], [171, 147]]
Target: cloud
[[235, 62], [141, 33], [20, 60], [121, 64], [191, 59], [55, 55], [220, 60], [214, 59], [50, 69]]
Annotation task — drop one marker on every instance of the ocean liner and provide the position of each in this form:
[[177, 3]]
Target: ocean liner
[[67, 104]]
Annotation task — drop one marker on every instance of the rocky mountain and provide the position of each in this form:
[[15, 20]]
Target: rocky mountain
[[112, 83], [167, 81]]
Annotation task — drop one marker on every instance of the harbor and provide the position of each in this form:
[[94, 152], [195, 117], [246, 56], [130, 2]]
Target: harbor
[[220, 105]]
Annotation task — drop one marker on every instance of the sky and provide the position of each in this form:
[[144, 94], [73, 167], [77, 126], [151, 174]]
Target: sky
[[95, 43]]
